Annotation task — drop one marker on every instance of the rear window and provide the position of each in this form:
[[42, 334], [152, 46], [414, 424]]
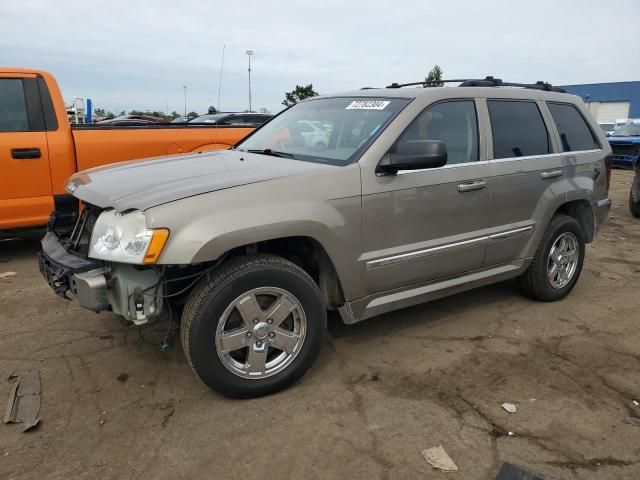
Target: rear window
[[518, 129], [13, 109], [574, 132]]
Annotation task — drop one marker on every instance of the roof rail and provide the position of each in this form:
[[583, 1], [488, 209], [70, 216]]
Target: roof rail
[[488, 82]]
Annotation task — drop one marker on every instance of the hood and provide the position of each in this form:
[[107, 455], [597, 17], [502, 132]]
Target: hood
[[142, 184]]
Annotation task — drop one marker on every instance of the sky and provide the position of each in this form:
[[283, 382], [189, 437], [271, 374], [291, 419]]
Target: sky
[[139, 54]]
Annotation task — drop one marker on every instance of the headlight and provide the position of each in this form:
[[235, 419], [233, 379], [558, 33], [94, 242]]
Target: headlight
[[125, 238]]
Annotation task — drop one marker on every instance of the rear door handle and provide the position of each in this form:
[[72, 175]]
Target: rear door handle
[[551, 174], [471, 186], [25, 153]]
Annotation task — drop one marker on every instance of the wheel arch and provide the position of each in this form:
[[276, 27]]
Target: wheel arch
[[307, 253], [582, 211]]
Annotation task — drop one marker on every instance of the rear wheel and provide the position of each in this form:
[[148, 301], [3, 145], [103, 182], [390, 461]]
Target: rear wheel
[[255, 327], [557, 264]]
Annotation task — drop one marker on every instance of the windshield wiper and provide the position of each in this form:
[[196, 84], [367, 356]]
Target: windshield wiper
[[273, 153]]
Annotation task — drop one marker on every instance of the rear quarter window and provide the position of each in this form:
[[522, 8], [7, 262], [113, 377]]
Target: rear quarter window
[[518, 129], [575, 134]]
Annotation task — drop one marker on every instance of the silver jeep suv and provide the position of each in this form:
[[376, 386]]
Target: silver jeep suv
[[405, 195]]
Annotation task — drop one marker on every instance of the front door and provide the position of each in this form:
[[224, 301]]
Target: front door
[[424, 225], [25, 196]]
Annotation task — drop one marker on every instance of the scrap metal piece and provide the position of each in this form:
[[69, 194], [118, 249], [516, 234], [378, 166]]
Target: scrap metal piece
[[439, 459], [635, 421], [24, 399], [509, 471]]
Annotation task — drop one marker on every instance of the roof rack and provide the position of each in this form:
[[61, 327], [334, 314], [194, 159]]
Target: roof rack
[[487, 82]]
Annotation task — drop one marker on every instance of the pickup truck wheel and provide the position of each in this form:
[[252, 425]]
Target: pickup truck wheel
[[634, 207], [557, 264], [254, 327]]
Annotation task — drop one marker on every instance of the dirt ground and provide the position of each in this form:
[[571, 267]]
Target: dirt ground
[[381, 392]]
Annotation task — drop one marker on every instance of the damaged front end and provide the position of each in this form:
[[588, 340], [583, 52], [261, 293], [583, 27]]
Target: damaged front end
[[135, 292]]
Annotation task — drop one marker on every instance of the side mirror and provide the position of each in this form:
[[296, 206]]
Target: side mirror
[[414, 155]]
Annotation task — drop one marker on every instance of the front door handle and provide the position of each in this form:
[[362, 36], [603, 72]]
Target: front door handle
[[471, 186], [25, 153], [551, 174]]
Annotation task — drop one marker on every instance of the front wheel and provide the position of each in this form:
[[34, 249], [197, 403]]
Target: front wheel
[[255, 327], [557, 264]]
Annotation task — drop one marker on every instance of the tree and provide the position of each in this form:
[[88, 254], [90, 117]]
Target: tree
[[100, 112], [298, 94], [434, 77]]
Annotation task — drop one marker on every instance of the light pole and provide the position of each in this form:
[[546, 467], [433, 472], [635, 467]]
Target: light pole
[[249, 53], [184, 89]]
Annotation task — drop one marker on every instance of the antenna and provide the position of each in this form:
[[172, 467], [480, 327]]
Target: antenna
[[220, 78]]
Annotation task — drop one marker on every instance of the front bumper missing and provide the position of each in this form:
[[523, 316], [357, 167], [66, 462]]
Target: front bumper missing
[[131, 291], [68, 273]]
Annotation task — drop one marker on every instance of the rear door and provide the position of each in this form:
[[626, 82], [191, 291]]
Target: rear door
[[422, 225], [527, 175], [26, 194]]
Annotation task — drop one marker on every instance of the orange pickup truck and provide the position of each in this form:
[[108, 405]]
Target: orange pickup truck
[[39, 149]]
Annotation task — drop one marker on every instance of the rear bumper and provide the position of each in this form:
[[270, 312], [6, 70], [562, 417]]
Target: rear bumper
[[601, 212], [70, 273]]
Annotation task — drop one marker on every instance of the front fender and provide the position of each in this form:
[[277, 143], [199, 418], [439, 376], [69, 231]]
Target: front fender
[[323, 205]]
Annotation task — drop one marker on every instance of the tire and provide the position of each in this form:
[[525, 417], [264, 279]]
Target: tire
[[241, 288], [634, 207], [535, 282]]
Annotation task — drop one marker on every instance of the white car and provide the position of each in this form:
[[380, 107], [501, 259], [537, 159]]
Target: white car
[[607, 126], [313, 132]]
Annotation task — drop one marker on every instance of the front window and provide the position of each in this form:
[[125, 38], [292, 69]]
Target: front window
[[325, 130], [629, 130], [453, 122]]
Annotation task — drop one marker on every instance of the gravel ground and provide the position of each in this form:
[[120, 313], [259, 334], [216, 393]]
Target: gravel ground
[[381, 392]]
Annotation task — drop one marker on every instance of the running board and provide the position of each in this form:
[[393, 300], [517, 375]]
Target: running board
[[377, 304]]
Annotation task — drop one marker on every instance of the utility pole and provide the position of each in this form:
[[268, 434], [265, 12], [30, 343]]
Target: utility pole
[[220, 77], [184, 88], [249, 53]]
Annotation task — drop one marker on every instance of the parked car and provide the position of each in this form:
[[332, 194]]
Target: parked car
[[232, 119], [132, 120], [625, 144], [181, 119], [608, 127], [419, 193], [634, 194], [39, 149], [314, 133]]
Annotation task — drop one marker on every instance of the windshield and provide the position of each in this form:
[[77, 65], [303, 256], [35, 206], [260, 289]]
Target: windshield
[[629, 130], [325, 130], [607, 127]]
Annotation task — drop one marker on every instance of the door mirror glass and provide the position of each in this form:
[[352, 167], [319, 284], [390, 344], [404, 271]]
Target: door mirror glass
[[414, 155]]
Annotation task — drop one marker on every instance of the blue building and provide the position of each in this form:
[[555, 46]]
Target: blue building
[[609, 101]]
